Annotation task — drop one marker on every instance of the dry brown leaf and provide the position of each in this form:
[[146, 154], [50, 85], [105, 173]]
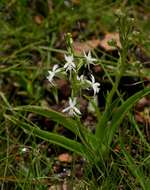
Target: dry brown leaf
[[39, 19], [76, 2], [143, 117], [64, 88], [80, 47], [109, 36], [142, 103], [65, 157], [65, 185], [117, 148], [55, 187], [138, 117]]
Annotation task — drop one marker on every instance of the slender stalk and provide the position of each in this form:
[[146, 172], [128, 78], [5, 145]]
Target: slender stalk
[[124, 30]]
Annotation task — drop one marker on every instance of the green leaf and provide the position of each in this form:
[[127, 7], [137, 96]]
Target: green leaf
[[133, 168], [103, 120], [73, 125], [121, 112], [135, 125], [67, 122], [57, 139], [2, 95]]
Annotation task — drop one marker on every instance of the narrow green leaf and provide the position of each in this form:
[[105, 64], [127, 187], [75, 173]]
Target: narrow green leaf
[[121, 112], [133, 168], [67, 122], [57, 139], [53, 115], [5, 100], [143, 139], [103, 121]]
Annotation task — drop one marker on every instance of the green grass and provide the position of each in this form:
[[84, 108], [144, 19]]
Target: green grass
[[27, 52]]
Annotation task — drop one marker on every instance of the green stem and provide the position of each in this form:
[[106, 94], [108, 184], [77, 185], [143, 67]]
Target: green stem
[[119, 73]]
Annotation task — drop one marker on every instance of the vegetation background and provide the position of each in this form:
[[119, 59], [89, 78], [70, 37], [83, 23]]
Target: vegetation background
[[32, 40]]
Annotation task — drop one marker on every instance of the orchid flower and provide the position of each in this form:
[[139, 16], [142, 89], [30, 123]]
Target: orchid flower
[[52, 73], [89, 59], [70, 65], [72, 109], [81, 78], [94, 85]]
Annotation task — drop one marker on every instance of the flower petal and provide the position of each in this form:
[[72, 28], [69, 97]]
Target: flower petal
[[55, 68], [66, 109], [77, 110], [93, 79]]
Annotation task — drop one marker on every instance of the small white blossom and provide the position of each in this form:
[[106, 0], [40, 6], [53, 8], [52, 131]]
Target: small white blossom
[[52, 73], [94, 85], [89, 59], [70, 65], [72, 109], [24, 149], [81, 78]]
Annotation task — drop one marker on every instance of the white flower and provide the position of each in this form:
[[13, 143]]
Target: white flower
[[94, 85], [24, 149], [89, 59], [81, 78], [52, 73], [70, 65], [72, 109]]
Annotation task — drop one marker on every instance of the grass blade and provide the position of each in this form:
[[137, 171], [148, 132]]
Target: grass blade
[[134, 169], [121, 112]]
